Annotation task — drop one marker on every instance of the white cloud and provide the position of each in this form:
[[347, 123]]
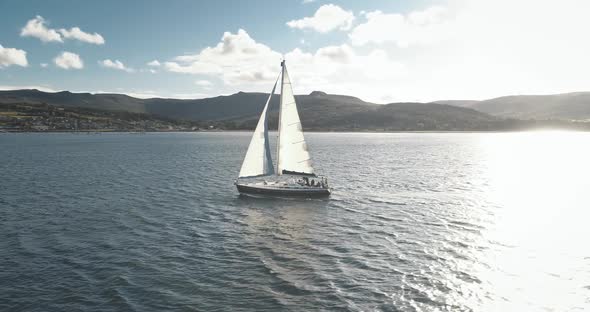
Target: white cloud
[[246, 65], [307, 1], [483, 49], [190, 96], [204, 83], [116, 64], [37, 27], [341, 70], [418, 27], [76, 33], [192, 67], [69, 60], [236, 58], [140, 94], [44, 65], [12, 56], [28, 87], [327, 18], [338, 54], [150, 94], [154, 63]]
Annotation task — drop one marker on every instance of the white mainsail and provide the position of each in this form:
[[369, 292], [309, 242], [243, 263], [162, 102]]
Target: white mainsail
[[258, 160], [292, 149]]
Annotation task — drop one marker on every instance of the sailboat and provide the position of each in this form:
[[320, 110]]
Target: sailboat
[[294, 174]]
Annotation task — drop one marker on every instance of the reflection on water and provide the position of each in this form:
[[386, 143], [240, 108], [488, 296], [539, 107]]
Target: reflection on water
[[416, 222], [289, 215], [538, 186]]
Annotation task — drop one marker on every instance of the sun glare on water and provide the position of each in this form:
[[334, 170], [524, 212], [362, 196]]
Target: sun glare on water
[[538, 185]]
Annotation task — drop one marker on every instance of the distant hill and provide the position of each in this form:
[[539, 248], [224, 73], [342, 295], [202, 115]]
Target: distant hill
[[112, 102], [329, 114], [318, 110], [567, 106]]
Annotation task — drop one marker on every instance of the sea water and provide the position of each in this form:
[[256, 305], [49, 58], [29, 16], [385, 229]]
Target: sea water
[[416, 222]]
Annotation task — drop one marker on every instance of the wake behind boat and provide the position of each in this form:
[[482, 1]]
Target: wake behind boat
[[294, 175]]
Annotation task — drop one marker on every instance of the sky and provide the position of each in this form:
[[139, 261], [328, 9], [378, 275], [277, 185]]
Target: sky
[[380, 51]]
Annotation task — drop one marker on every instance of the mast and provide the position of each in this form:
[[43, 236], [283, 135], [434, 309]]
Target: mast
[[280, 113]]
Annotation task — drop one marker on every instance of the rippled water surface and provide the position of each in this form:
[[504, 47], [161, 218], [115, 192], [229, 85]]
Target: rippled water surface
[[416, 222]]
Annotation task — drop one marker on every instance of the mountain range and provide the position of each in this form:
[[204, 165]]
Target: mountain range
[[321, 111], [566, 106]]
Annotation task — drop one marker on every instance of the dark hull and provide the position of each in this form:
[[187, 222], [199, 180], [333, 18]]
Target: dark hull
[[311, 192]]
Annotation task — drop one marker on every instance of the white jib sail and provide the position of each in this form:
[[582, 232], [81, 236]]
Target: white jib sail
[[258, 159], [292, 150]]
